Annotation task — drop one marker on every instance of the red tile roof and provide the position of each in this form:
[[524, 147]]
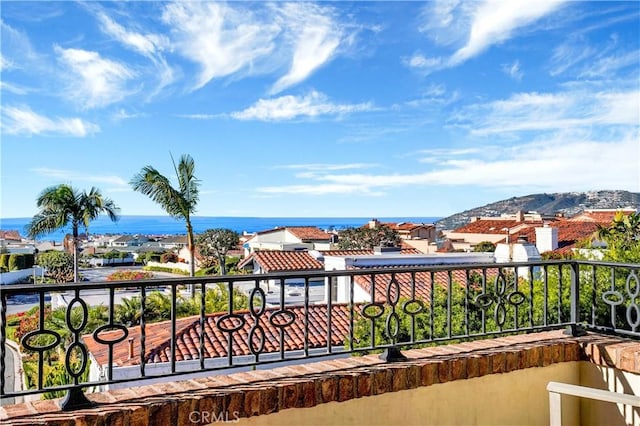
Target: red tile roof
[[365, 252], [158, 336], [493, 226], [307, 233], [304, 233], [280, 261], [422, 282], [11, 235], [599, 216], [407, 226]]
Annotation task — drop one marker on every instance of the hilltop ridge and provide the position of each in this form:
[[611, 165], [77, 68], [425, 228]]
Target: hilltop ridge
[[567, 203]]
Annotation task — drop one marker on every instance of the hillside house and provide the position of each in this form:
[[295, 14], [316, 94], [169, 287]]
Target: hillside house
[[290, 238]]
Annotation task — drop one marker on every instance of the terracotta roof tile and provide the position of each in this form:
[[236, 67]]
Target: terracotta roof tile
[[493, 226], [365, 252], [304, 233], [422, 282], [280, 261], [11, 235], [158, 336], [407, 226]]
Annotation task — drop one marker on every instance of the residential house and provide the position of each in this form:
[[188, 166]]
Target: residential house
[[290, 238], [264, 262], [312, 325], [125, 241], [558, 234], [338, 289], [173, 242]]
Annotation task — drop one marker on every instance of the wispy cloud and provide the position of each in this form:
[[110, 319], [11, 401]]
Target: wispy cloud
[[546, 112], [475, 27], [149, 45], [75, 176], [290, 107], [95, 81], [495, 21], [513, 70], [122, 114], [316, 37], [23, 121], [556, 163], [321, 167], [221, 39]]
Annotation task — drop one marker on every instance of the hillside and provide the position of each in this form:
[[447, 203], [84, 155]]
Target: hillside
[[569, 203]]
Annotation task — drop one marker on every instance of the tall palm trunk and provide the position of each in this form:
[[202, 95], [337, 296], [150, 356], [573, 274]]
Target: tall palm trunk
[[192, 261], [75, 253]]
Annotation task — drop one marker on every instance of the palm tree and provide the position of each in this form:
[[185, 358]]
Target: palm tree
[[62, 205], [179, 202]]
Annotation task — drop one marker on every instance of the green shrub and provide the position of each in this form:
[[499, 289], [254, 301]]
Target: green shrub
[[4, 261], [14, 262]]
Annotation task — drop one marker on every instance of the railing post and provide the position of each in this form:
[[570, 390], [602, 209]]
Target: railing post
[[574, 328]]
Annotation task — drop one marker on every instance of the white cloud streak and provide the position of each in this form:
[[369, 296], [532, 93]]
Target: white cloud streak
[[23, 121], [74, 176], [290, 107], [475, 27], [513, 70], [316, 36], [495, 21], [220, 39], [546, 112], [96, 81], [149, 45]]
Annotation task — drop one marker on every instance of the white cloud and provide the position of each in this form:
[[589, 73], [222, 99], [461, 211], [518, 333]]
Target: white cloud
[[557, 163], [606, 66], [495, 21], [419, 61], [23, 121], [145, 44], [290, 107], [220, 39], [513, 70], [316, 35], [123, 114], [546, 112], [149, 45], [474, 26], [96, 81], [319, 167], [72, 175]]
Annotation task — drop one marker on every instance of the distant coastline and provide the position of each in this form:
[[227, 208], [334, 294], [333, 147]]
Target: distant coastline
[[165, 225]]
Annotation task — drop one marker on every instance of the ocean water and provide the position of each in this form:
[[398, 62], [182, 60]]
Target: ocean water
[[165, 225]]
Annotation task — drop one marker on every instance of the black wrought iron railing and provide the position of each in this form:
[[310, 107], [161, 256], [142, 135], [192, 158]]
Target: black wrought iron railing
[[123, 333]]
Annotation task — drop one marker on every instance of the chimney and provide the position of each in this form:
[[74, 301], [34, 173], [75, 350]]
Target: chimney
[[546, 238], [520, 216], [130, 347]]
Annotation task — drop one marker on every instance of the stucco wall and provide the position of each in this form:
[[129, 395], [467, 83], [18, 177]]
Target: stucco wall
[[519, 397], [598, 413]]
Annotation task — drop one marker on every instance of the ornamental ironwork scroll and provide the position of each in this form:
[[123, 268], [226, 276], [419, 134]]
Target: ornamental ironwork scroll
[[501, 298], [614, 298]]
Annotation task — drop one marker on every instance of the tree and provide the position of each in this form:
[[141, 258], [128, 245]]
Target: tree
[[63, 205], [58, 264], [216, 243], [485, 246], [180, 202], [368, 238], [622, 237]]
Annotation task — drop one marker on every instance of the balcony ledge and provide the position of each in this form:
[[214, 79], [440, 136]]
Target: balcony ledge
[[262, 392]]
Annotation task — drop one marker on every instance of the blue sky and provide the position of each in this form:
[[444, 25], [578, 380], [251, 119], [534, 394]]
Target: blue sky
[[365, 109]]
